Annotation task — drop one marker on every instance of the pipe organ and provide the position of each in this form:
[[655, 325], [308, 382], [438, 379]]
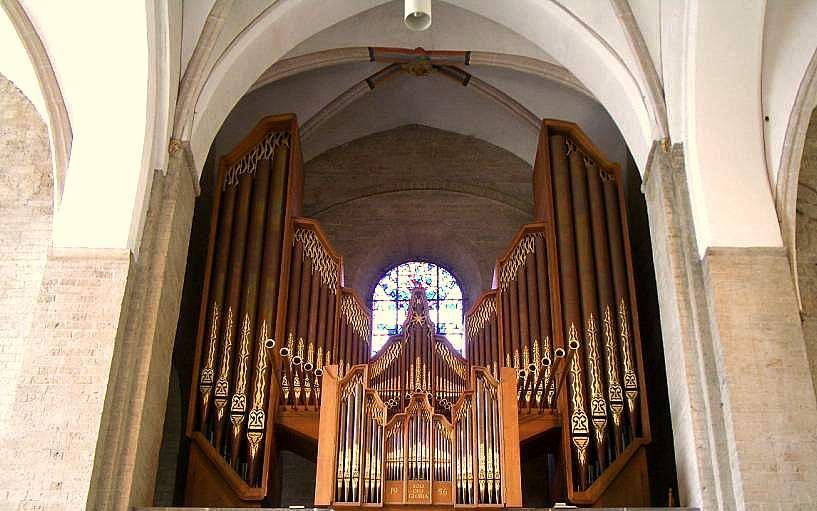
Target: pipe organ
[[274, 314], [433, 421], [552, 351]]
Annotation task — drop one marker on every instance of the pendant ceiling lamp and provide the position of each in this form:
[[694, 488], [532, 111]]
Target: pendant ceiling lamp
[[417, 14]]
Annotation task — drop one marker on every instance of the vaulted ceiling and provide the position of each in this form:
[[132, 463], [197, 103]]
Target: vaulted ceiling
[[511, 84]]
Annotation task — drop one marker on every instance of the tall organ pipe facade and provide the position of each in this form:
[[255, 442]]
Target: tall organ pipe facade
[[552, 351], [273, 314]]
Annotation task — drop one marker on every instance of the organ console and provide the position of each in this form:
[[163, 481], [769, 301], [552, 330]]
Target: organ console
[[552, 351]]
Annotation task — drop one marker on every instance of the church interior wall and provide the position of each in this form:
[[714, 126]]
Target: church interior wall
[[26, 210], [713, 312], [418, 192]]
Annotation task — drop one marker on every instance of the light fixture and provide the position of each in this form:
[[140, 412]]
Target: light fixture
[[417, 15]]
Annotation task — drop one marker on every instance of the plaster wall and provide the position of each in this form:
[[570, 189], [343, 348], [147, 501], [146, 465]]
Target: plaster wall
[[102, 158], [453, 28], [589, 58], [648, 17], [194, 15], [429, 100], [789, 45], [729, 189]]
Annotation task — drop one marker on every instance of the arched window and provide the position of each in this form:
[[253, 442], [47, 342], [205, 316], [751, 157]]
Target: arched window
[[391, 297]]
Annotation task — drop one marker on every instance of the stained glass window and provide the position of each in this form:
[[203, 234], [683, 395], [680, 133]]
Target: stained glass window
[[391, 296]]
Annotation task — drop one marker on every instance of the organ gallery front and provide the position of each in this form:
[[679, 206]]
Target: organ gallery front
[[552, 356]]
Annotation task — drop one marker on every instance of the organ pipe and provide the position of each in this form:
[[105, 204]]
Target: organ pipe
[[219, 278], [611, 196], [232, 319], [270, 272], [606, 300], [418, 415], [249, 300], [589, 305], [571, 308]]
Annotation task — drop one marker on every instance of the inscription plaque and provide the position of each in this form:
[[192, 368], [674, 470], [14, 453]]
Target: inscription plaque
[[418, 492]]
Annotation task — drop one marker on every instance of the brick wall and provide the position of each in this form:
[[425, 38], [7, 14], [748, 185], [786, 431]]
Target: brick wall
[[50, 445], [25, 228], [419, 192]]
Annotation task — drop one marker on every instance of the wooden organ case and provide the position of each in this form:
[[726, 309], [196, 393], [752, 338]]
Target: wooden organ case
[[418, 425], [274, 314], [552, 351]]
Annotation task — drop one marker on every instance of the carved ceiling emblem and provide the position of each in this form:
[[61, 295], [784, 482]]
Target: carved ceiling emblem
[[420, 66]]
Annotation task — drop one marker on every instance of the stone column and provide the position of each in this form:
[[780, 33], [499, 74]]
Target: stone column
[[743, 408], [769, 405], [49, 445], [89, 405], [127, 454]]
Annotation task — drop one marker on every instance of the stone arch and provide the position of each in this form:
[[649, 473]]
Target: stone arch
[[593, 61], [792, 164], [26, 213], [58, 124], [806, 242]]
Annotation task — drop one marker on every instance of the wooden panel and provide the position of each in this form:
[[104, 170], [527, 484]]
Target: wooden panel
[[418, 492], [304, 423], [394, 492], [537, 424], [512, 476], [207, 487], [442, 493], [631, 487], [325, 475]]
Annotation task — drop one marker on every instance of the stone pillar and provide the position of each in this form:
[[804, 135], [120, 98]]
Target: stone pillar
[[743, 408], [677, 280], [769, 405], [87, 417], [127, 454], [49, 445]]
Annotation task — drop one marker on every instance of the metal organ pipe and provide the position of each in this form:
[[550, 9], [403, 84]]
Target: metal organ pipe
[[513, 294], [587, 286], [607, 304], [303, 312], [507, 348], [231, 319], [571, 310], [312, 325], [226, 211], [614, 220], [265, 356], [249, 300]]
